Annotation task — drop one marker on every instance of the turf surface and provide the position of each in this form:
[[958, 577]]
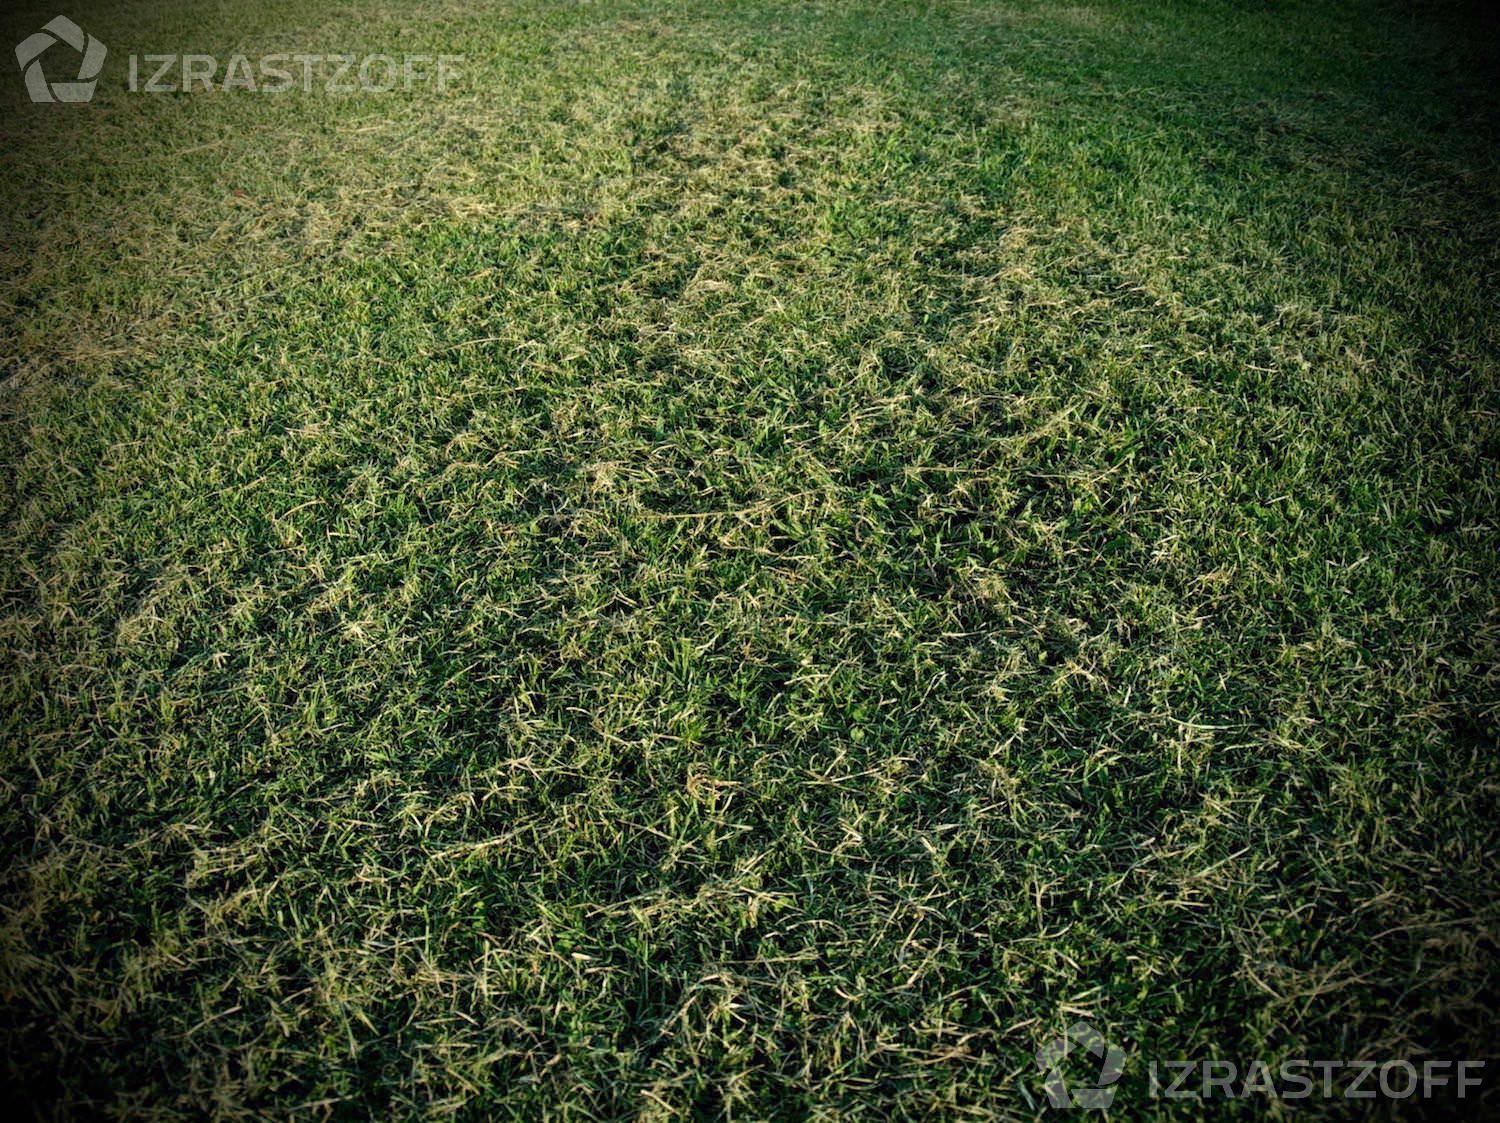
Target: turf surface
[[745, 559]]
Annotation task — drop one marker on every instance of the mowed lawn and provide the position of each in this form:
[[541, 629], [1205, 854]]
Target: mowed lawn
[[747, 560]]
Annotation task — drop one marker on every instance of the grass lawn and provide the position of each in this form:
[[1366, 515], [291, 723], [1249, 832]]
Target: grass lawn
[[748, 560]]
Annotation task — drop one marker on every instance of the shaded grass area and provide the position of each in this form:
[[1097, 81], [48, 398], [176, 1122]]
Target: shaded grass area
[[748, 560]]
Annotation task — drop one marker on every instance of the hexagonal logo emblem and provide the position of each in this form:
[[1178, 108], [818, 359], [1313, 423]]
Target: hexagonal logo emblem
[[1096, 1095], [74, 90]]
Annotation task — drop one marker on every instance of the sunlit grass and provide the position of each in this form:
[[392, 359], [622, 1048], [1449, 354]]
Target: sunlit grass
[[747, 559]]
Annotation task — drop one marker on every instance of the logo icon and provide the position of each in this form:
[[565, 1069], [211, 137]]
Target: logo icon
[[61, 30], [1098, 1095]]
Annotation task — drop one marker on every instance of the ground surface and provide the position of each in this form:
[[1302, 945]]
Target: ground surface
[[747, 558]]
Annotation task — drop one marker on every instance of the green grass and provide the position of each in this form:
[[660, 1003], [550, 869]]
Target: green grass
[[748, 560]]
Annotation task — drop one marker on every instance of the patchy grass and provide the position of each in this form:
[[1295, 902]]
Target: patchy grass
[[747, 560]]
